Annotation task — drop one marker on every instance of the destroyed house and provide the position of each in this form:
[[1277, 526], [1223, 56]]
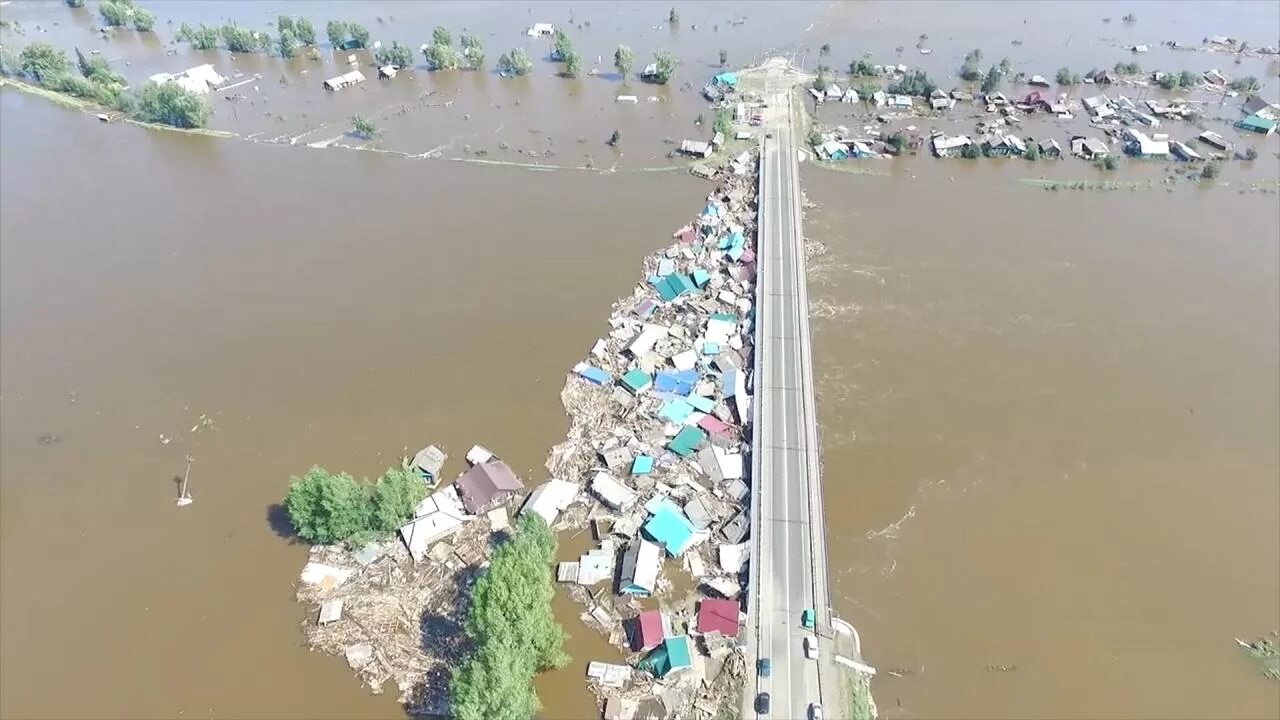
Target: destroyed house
[[648, 631], [670, 528], [640, 563], [428, 461], [718, 616], [674, 655], [487, 485], [549, 499]]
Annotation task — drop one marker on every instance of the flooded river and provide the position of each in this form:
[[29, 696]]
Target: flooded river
[[1049, 419]]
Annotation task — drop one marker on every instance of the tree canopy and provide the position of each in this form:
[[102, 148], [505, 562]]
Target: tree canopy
[[171, 104], [43, 61], [623, 59], [472, 51], [204, 37], [666, 66], [915, 82], [304, 31], [572, 64], [394, 54], [328, 508], [516, 62], [512, 627]]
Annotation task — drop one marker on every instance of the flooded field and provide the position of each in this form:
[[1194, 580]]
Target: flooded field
[[1049, 419]]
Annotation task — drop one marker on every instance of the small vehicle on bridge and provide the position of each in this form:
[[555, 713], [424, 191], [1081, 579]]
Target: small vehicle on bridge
[[762, 703], [764, 667], [811, 647], [815, 711], [807, 618]]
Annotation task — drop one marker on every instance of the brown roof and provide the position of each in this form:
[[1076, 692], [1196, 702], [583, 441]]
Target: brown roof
[[487, 484]]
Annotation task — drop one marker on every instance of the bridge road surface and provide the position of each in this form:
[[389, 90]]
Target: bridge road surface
[[790, 539]]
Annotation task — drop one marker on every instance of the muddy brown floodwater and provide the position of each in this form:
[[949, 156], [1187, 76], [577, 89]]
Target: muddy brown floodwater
[[1049, 419]]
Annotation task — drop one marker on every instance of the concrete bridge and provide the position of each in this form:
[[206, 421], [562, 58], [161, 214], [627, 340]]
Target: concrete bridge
[[789, 560]]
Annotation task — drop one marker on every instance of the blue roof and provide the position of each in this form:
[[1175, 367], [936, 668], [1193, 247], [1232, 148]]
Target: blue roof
[[595, 375], [735, 252], [679, 383], [711, 210], [727, 78], [671, 529], [642, 465], [730, 376]]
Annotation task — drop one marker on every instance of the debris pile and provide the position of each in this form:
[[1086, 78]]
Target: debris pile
[[658, 441]]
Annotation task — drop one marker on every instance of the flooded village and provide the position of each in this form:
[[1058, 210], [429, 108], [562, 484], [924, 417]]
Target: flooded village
[[511, 260]]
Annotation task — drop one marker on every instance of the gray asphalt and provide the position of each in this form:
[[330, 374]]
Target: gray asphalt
[[792, 570]]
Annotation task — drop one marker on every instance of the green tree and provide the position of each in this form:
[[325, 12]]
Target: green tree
[[1187, 79], [1168, 81], [243, 40], [624, 59], [1107, 162], [1209, 171], [441, 36], [337, 32], [359, 34], [395, 54], [42, 61], [1128, 68], [397, 492], [724, 122], [201, 38], [171, 104], [516, 62], [287, 43], [325, 508], [862, 67], [971, 70], [285, 23], [116, 13], [824, 52], [472, 51], [143, 20], [1066, 77], [96, 69], [512, 627], [915, 82], [1246, 84], [441, 57], [304, 31], [899, 142], [992, 79], [1250, 154], [666, 63], [724, 58], [563, 46], [572, 64], [1033, 152]]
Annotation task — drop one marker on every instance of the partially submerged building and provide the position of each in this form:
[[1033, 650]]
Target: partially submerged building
[[438, 516], [549, 499], [949, 145], [671, 529], [1258, 124], [719, 616], [199, 79], [674, 655], [487, 485], [1213, 139], [428, 462], [1088, 148], [649, 630], [344, 80], [640, 565], [1139, 144]]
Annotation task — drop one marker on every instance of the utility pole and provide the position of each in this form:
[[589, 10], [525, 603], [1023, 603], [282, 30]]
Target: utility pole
[[184, 498]]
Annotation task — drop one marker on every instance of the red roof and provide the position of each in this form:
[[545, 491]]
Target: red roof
[[715, 615], [649, 630], [713, 425]]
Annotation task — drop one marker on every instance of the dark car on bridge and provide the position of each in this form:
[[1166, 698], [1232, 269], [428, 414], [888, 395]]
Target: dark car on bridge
[[762, 703]]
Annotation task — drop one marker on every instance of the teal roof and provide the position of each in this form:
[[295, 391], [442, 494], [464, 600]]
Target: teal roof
[[1257, 123], [672, 286], [687, 441], [710, 348], [727, 78], [642, 465], [636, 380], [704, 404], [679, 651], [671, 529], [676, 411], [701, 277], [727, 317]]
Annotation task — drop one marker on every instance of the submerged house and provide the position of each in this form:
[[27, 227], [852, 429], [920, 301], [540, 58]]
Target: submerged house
[[999, 145], [674, 655], [549, 499], [428, 461], [1050, 148], [487, 485], [1138, 144], [1182, 151], [1257, 123], [640, 564], [696, 148], [649, 630], [438, 516], [344, 80], [1212, 138], [1088, 148], [199, 79], [949, 145]]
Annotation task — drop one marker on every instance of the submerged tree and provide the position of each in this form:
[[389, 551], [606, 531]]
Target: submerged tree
[[171, 104], [623, 59], [359, 34], [472, 51], [516, 62], [204, 37], [287, 43], [394, 54], [337, 32], [562, 47], [572, 64], [304, 31], [665, 67]]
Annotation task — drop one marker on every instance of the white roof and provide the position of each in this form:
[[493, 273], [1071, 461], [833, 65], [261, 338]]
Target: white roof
[[685, 360], [627, 99], [644, 342], [479, 454], [549, 498], [831, 147], [541, 29], [648, 561], [947, 142], [732, 557], [388, 70], [419, 535], [613, 493], [314, 573], [730, 464], [347, 78], [608, 674], [833, 90]]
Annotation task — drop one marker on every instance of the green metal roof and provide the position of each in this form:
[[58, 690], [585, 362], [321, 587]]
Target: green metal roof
[[636, 380], [686, 441]]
